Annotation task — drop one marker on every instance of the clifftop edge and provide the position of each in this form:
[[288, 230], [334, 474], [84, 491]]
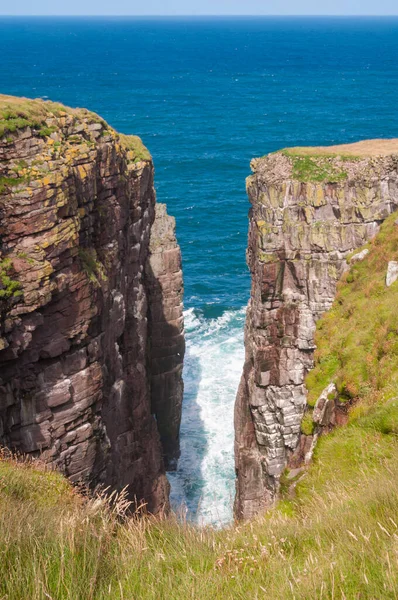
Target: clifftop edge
[[47, 118], [360, 161]]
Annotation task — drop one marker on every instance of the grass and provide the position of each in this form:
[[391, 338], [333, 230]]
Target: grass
[[307, 424], [318, 167], [92, 266], [133, 143], [326, 164], [357, 340], [9, 288], [338, 538], [6, 183], [19, 113], [356, 150]]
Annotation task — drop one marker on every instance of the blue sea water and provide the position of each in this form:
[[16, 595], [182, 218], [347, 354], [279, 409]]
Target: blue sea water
[[207, 95]]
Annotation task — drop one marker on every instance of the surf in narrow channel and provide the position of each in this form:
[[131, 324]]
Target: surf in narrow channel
[[204, 484]]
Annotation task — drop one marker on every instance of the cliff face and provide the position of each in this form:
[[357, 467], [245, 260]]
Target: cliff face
[[166, 332], [311, 208], [81, 293]]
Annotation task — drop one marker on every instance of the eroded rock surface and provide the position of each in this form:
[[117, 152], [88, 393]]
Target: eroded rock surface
[[80, 296], [311, 208], [166, 332], [392, 273]]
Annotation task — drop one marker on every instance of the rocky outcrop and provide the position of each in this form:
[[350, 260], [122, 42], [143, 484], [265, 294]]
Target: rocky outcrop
[[311, 208], [90, 300], [392, 273]]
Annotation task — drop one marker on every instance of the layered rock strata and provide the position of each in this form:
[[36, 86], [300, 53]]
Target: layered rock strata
[[311, 207], [80, 378], [166, 332]]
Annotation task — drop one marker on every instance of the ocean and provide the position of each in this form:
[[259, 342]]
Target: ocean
[[206, 95]]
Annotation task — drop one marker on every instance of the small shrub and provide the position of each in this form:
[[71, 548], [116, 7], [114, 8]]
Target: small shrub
[[92, 266]]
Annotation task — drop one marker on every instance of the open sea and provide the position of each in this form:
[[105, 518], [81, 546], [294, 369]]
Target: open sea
[[206, 95]]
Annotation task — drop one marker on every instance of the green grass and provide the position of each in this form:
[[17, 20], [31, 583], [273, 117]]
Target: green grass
[[45, 131], [307, 424], [19, 113], [318, 167], [357, 340], [6, 183], [9, 287], [133, 143], [22, 483], [92, 266], [338, 538]]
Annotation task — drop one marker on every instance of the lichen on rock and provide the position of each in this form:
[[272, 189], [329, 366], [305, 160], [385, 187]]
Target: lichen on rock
[[77, 208], [311, 209]]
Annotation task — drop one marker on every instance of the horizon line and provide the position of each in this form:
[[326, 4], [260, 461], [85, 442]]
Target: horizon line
[[186, 16]]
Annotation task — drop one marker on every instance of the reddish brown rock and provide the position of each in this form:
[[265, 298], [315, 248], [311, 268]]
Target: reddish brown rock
[[166, 332], [91, 334]]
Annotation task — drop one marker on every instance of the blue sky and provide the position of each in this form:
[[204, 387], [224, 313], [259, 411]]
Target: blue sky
[[200, 7]]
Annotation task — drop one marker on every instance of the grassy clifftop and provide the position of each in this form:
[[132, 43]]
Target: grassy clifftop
[[46, 118], [18, 113], [328, 164]]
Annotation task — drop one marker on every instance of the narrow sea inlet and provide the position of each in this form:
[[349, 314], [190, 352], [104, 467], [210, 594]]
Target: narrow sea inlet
[[203, 484], [206, 96]]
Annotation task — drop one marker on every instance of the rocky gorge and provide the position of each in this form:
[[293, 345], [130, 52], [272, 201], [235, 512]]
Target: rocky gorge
[[91, 322], [91, 325], [311, 209]]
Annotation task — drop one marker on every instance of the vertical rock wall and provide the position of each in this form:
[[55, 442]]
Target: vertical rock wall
[[310, 209], [77, 207], [166, 332]]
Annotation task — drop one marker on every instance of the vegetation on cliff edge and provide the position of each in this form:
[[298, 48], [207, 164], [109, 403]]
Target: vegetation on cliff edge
[[318, 167], [20, 113], [357, 340]]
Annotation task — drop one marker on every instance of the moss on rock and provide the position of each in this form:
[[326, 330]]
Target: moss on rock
[[9, 287]]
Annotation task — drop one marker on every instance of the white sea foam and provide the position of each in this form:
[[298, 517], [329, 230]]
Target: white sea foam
[[204, 481]]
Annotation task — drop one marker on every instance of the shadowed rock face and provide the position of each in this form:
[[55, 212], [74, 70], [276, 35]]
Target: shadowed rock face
[[81, 294], [166, 332], [310, 209]]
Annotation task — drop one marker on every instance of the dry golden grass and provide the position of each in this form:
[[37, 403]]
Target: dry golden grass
[[377, 147], [338, 539]]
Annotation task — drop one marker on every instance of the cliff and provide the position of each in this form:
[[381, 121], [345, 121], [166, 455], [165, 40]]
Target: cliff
[[311, 208], [91, 322]]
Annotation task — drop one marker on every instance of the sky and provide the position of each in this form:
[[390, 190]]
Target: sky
[[200, 7]]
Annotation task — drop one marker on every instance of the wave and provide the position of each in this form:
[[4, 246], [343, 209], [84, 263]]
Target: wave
[[203, 485]]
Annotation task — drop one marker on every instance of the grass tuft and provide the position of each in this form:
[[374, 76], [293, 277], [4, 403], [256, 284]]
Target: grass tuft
[[133, 144]]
